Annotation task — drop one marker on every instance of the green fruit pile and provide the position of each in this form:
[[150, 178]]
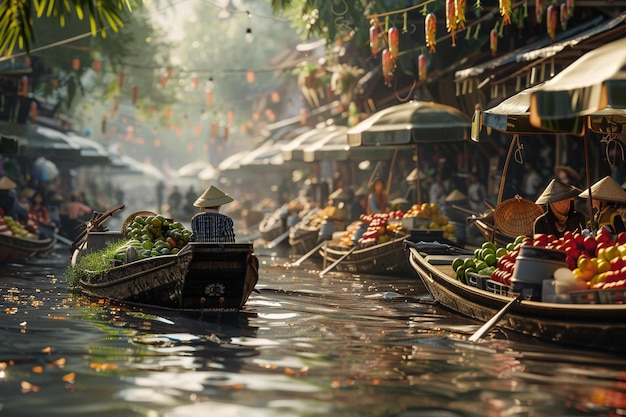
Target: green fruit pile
[[154, 236], [484, 262]]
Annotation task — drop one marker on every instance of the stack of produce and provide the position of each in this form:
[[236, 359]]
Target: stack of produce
[[435, 219], [380, 229], [487, 260], [154, 236], [11, 227]]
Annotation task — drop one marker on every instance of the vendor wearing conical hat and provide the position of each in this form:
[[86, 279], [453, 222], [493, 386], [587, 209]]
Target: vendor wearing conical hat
[[9, 203], [210, 225], [560, 215], [606, 194]]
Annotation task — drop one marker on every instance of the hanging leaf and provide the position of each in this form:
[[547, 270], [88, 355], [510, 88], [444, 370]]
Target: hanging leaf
[[505, 11], [451, 19], [430, 26]]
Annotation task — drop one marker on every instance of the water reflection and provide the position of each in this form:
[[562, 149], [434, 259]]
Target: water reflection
[[341, 345]]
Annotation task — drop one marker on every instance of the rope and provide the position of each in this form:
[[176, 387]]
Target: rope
[[616, 140]]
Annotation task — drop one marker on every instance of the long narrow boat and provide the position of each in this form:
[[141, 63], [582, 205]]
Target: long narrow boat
[[383, 258], [202, 276], [485, 224], [19, 249], [591, 326]]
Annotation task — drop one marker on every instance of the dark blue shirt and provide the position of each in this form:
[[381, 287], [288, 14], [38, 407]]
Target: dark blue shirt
[[212, 226]]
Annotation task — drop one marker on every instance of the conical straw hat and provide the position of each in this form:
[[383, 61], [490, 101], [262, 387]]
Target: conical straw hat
[[607, 189], [557, 191], [213, 197], [455, 195], [7, 184]]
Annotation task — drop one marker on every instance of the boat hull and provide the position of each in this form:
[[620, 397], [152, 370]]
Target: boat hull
[[18, 249], [595, 326]]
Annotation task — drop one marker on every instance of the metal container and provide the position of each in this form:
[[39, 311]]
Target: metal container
[[534, 265]]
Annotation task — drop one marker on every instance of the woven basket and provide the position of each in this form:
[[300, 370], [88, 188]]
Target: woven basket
[[132, 216], [516, 216]]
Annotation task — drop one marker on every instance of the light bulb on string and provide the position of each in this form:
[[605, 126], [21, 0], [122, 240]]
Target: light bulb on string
[[249, 37]]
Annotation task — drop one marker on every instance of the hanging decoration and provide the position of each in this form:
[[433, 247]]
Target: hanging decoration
[[209, 98], [422, 69], [505, 11], [570, 8], [275, 97], [551, 21], [97, 65], [75, 64], [539, 10], [564, 16], [493, 40], [33, 111], [250, 77], [374, 39], [133, 93], [387, 67], [194, 82], [459, 9], [394, 42], [167, 112], [451, 19], [430, 26]]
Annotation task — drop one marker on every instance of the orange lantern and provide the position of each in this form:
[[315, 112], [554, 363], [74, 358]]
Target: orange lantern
[[451, 19], [275, 97], [539, 10], [255, 115], [460, 13], [209, 98], [564, 16], [75, 64], [374, 40], [551, 17], [33, 111], [120, 78], [422, 69], [387, 66], [394, 42], [230, 116], [505, 11], [195, 82], [167, 112], [133, 93], [250, 77], [430, 26], [493, 41]]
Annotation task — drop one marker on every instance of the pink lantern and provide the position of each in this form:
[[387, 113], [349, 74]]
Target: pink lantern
[[394, 42], [430, 26], [422, 69], [374, 40], [387, 66]]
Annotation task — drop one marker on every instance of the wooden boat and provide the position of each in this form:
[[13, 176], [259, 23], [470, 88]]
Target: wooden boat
[[202, 276], [273, 225], [18, 249], [383, 258], [591, 326], [484, 222]]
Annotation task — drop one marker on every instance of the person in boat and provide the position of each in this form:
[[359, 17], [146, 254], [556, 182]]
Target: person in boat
[[9, 203], [560, 215], [39, 211], [377, 199], [606, 195], [210, 225]]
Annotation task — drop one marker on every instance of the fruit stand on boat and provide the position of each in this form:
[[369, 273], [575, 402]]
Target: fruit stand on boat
[[18, 242]]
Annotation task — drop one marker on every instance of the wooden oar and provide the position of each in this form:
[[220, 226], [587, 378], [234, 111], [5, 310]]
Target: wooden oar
[[337, 262], [308, 254], [279, 239], [494, 320], [63, 239]]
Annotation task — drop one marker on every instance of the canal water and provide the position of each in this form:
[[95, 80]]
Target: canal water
[[341, 345]]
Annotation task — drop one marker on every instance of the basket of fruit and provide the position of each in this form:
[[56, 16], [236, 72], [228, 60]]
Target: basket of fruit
[[516, 216]]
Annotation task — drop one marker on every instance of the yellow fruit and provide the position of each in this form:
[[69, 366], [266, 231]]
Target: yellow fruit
[[622, 250], [603, 266], [611, 252], [434, 208]]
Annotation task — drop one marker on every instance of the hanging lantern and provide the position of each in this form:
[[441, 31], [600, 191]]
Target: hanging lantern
[[505, 11], [275, 97], [551, 21], [459, 8], [194, 82], [451, 19], [250, 77], [97, 65], [394, 42], [209, 98], [167, 112], [564, 16], [493, 41], [539, 10], [303, 117], [374, 40], [24, 86], [430, 26], [387, 66], [120, 78], [133, 93], [33, 111], [230, 116], [422, 69], [570, 8], [75, 64]]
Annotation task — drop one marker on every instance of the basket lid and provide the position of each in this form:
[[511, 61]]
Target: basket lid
[[516, 216]]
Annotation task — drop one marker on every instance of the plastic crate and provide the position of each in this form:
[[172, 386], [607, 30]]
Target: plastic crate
[[477, 280], [612, 296], [585, 297], [496, 287]]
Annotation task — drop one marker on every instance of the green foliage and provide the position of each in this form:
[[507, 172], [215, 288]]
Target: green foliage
[[93, 264]]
